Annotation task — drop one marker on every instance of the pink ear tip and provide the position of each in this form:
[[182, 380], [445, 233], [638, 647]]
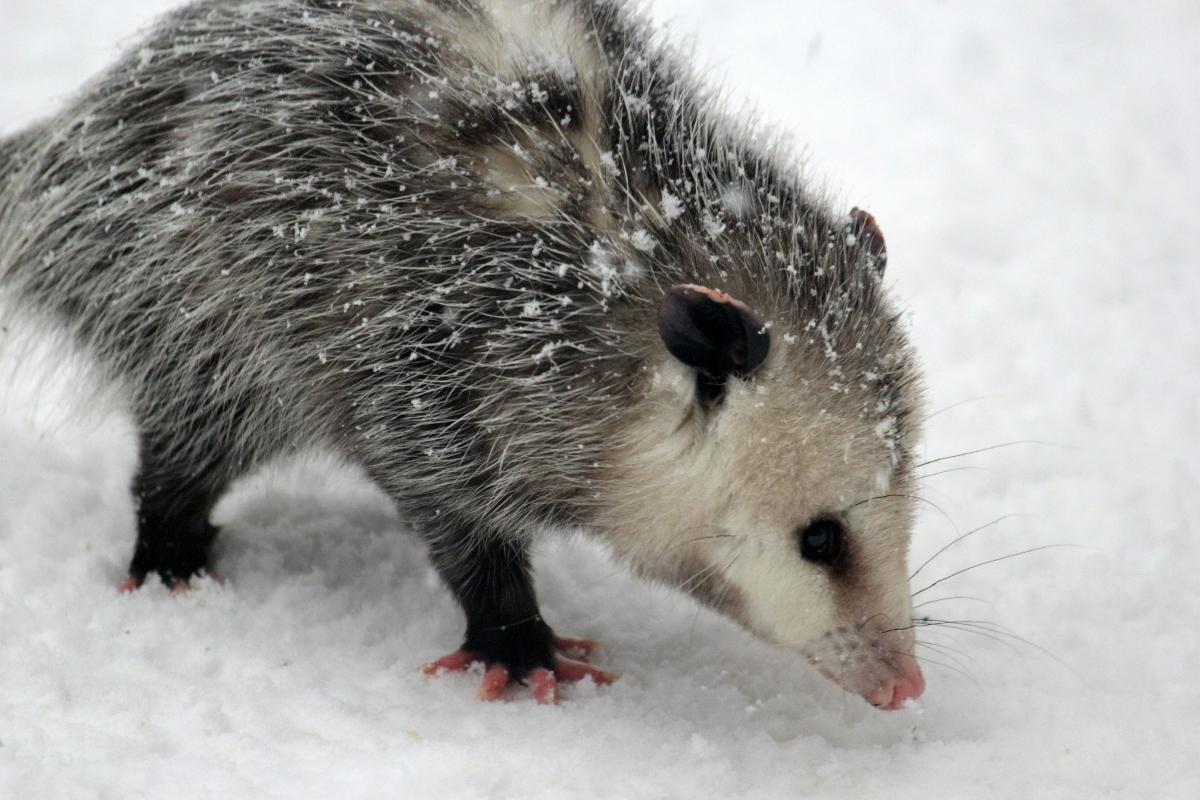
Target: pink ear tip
[[716, 295]]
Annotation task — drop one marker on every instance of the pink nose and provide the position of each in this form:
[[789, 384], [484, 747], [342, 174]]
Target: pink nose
[[893, 692]]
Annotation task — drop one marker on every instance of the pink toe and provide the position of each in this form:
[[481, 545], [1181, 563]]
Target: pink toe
[[495, 681], [545, 687], [568, 670], [458, 661], [575, 648]]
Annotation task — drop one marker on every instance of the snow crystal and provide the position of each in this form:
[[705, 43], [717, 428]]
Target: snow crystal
[[609, 163], [642, 240], [638, 105], [672, 206], [735, 199], [546, 351], [713, 226]]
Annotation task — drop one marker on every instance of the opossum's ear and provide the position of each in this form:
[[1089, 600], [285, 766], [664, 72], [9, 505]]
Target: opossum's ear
[[712, 332], [868, 237]]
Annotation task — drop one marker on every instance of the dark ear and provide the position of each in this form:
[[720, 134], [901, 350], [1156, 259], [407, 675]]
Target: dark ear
[[867, 236], [711, 332]]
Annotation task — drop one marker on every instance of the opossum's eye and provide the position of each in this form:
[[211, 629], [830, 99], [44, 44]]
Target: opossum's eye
[[713, 333], [821, 541]]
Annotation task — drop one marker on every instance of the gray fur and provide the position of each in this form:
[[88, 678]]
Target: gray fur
[[279, 224]]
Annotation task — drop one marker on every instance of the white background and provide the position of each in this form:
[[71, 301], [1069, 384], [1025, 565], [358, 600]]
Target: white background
[[1034, 166]]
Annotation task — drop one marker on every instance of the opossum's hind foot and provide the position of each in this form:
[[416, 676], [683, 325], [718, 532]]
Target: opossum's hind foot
[[568, 666]]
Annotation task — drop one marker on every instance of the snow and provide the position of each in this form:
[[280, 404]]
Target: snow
[[1034, 168], [642, 240], [672, 206]]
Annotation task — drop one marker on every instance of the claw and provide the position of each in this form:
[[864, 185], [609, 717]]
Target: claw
[[581, 649], [567, 669], [495, 681], [545, 687]]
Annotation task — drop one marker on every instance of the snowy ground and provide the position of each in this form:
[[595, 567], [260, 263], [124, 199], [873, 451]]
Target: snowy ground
[[1035, 168]]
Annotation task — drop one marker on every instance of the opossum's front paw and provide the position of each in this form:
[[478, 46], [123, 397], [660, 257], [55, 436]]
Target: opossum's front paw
[[176, 549], [178, 585], [567, 663]]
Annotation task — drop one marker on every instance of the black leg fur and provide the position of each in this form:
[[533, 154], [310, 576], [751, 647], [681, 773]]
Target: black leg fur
[[174, 537], [174, 544], [494, 586]]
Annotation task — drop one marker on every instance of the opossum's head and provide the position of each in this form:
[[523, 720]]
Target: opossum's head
[[766, 470]]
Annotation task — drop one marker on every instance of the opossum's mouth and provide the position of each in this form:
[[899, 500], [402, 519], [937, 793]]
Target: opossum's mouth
[[883, 677]]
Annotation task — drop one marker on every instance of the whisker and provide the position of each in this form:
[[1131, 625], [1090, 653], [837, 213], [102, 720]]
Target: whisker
[[973, 598], [987, 449], [955, 665], [721, 577], [958, 626], [958, 670], [709, 569], [960, 403], [697, 576], [944, 649], [949, 470], [926, 633], [960, 538], [993, 561], [705, 538], [996, 628], [916, 497], [726, 586]]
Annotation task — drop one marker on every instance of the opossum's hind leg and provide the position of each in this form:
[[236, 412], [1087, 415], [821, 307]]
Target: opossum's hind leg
[[491, 579], [174, 536]]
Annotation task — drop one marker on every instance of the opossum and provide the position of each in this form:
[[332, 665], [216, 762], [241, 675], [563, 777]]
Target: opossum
[[515, 260]]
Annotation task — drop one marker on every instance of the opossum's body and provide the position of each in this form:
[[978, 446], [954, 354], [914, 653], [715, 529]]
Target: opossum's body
[[437, 236]]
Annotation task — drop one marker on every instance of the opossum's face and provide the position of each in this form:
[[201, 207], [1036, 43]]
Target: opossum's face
[[751, 481]]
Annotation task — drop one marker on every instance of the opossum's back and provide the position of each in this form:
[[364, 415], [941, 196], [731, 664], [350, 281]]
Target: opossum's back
[[9, 148], [13, 151]]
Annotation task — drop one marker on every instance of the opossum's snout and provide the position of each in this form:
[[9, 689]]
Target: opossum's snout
[[908, 686], [878, 667]]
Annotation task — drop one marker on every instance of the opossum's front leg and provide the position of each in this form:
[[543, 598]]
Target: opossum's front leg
[[505, 629], [174, 537]]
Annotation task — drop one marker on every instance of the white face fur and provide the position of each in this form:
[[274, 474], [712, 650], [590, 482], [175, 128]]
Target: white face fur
[[714, 500]]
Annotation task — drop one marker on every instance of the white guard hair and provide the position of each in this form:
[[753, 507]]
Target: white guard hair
[[434, 235]]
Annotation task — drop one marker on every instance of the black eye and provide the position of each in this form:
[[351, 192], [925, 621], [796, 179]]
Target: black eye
[[821, 541]]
